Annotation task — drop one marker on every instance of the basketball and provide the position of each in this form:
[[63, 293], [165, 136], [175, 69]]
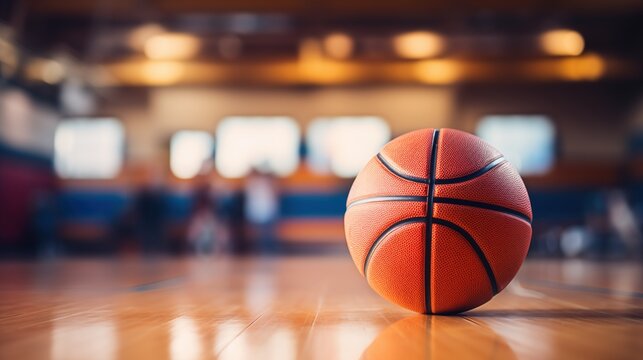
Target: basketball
[[438, 222]]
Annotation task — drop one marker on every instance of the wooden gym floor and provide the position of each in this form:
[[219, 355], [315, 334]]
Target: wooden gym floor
[[305, 307]]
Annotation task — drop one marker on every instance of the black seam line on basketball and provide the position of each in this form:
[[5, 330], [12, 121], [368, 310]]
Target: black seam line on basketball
[[386, 198], [492, 165], [390, 168], [482, 205], [476, 248], [428, 235], [385, 233]]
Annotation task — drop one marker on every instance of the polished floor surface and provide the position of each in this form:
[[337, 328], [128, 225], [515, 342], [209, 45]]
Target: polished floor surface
[[305, 307]]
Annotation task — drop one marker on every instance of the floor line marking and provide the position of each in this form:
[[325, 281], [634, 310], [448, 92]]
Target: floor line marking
[[239, 334], [156, 285]]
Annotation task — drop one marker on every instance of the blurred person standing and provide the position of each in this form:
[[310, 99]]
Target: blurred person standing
[[232, 214], [145, 220], [206, 234], [149, 215], [624, 223], [44, 225], [261, 210]]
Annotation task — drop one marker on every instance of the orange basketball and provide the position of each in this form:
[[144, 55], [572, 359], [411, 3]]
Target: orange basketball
[[438, 221]]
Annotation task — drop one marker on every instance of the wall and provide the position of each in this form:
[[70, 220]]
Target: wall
[[150, 124], [591, 120]]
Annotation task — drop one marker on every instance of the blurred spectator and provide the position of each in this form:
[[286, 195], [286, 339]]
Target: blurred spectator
[[598, 227], [261, 210], [623, 222], [206, 233], [232, 212], [43, 225], [149, 208], [574, 241], [126, 229], [612, 229]]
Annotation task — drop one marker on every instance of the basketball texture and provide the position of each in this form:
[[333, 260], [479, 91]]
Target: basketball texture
[[438, 221]]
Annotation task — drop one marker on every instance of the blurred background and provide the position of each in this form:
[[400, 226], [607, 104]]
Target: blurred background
[[160, 127]]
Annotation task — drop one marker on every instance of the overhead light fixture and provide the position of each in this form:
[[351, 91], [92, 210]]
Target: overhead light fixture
[[438, 71], [162, 73], [418, 44], [139, 36], [582, 68], [315, 68], [172, 46], [562, 42], [338, 45], [45, 70]]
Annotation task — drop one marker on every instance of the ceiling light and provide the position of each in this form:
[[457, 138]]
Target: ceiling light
[[162, 73], [418, 44], [172, 46], [139, 36], [46, 70], [338, 45], [583, 68], [438, 71], [562, 42]]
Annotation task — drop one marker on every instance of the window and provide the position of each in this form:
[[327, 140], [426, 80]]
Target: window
[[343, 145], [89, 148], [527, 141], [189, 150], [269, 144]]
